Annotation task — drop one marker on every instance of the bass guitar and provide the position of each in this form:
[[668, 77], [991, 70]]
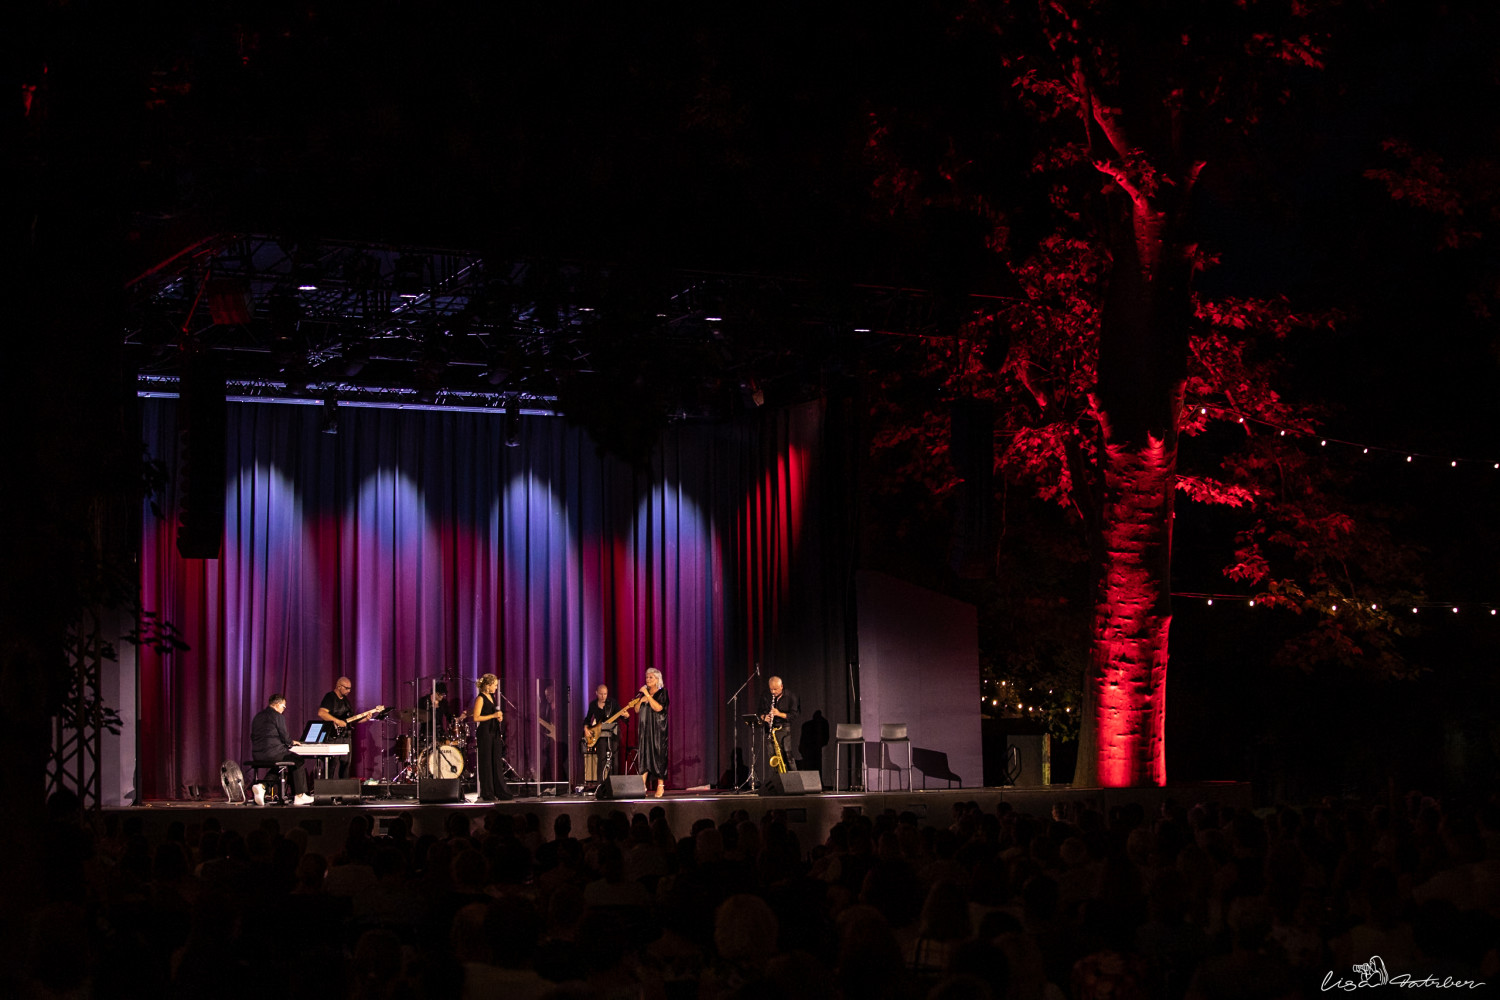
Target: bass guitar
[[361, 717], [591, 733]]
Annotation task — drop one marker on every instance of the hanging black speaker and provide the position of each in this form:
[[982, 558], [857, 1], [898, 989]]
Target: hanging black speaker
[[971, 452], [202, 419]]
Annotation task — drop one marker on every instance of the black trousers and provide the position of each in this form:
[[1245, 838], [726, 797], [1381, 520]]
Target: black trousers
[[491, 769], [609, 757], [787, 757], [338, 767]]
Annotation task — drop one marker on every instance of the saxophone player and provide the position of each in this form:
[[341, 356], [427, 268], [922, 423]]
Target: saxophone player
[[778, 710]]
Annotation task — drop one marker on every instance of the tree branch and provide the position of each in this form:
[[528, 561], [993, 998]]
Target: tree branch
[[1117, 174]]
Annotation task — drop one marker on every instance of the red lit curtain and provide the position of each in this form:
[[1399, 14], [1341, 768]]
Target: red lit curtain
[[415, 543]]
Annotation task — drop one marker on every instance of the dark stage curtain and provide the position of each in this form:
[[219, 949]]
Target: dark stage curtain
[[415, 543]]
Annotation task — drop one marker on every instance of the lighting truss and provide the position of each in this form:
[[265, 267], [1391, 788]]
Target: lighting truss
[[375, 324]]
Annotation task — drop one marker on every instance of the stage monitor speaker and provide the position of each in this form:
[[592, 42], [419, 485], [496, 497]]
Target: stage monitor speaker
[[328, 789], [439, 790], [793, 783], [622, 786]]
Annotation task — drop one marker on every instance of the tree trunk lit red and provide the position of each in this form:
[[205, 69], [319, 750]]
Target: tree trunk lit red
[[1132, 615], [1141, 378]]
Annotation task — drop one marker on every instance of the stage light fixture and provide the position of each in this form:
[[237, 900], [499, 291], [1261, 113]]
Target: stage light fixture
[[331, 414]]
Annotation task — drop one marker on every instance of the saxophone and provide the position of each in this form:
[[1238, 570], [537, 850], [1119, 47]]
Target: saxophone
[[776, 760]]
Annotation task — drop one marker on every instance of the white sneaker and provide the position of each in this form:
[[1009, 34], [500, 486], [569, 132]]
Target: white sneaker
[[259, 791], [302, 800]]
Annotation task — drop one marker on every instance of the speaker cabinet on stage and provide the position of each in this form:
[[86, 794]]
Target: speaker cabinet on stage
[[328, 789], [438, 790], [1029, 758], [622, 786], [793, 783]]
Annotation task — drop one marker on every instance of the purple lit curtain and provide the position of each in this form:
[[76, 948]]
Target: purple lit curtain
[[415, 543]]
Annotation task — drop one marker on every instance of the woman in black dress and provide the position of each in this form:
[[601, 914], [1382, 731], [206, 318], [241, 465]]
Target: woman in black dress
[[653, 732], [487, 718]]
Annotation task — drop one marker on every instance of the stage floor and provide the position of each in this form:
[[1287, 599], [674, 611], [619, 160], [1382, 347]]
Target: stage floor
[[810, 816]]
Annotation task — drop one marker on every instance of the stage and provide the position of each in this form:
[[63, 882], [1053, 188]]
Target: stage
[[809, 816]]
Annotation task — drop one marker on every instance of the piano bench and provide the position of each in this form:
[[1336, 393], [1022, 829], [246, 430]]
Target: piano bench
[[253, 769]]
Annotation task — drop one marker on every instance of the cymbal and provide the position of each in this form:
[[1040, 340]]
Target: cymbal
[[407, 714]]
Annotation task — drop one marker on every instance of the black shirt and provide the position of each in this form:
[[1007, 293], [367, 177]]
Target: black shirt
[[268, 735], [340, 709], [597, 715], [786, 703]]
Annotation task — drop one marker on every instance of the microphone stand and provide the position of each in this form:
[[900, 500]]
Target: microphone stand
[[734, 725], [508, 769]]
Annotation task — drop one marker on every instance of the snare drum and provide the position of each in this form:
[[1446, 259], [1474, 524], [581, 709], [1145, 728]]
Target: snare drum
[[445, 762]]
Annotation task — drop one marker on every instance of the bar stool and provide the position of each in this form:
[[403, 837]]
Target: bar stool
[[890, 734], [282, 779], [848, 734]]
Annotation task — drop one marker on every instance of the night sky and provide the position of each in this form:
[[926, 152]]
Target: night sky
[[735, 141]]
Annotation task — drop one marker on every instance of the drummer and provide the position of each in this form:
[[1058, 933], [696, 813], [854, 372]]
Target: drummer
[[438, 699]]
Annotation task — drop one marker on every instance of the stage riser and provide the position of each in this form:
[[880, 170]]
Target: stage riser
[[810, 816]]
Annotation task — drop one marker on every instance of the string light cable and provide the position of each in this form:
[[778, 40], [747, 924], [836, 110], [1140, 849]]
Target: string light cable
[[1333, 607], [1325, 441]]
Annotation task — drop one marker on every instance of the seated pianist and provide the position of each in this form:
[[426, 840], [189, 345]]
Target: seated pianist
[[269, 742]]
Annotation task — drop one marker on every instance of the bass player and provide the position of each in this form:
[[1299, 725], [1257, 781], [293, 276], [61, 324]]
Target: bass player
[[602, 728], [336, 710]]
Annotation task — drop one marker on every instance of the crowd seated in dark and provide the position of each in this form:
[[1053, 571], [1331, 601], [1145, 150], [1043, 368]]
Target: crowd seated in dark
[[1204, 901]]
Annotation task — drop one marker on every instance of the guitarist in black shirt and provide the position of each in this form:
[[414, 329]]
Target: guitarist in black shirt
[[336, 710], [603, 733]]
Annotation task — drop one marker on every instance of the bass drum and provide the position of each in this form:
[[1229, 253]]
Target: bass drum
[[445, 762]]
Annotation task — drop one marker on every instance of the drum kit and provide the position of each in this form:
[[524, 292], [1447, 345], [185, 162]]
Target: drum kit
[[423, 757]]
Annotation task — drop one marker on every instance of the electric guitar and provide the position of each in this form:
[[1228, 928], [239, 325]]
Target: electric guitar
[[361, 717], [591, 733]]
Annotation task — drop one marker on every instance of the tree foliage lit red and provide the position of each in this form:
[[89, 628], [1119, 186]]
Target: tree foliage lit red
[[1103, 357]]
